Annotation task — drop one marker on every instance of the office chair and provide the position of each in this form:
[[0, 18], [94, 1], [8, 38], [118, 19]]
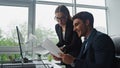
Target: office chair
[[116, 40]]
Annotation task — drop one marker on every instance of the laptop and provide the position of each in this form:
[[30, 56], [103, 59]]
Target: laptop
[[23, 59]]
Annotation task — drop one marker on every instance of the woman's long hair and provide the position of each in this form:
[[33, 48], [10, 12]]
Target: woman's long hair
[[64, 10]]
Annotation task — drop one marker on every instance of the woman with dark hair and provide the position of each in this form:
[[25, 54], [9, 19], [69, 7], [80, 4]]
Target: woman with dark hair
[[69, 42]]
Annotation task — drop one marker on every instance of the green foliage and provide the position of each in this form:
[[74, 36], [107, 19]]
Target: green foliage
[[11, 40], [4, 57], [42, 34], [49, 57], [0, 33], [7, 42]]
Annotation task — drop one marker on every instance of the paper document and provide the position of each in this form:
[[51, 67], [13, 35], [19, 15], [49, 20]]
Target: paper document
[[51, 47], [40, 50]]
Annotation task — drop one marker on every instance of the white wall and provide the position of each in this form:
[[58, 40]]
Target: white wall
[[113, 17]]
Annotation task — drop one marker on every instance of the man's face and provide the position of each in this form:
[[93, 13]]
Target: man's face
[[79, 27]]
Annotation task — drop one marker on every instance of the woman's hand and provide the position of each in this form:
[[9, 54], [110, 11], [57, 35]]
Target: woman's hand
[[62, 48]]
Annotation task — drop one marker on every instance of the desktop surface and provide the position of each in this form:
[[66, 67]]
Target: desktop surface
[[34, 64], [17, 65]]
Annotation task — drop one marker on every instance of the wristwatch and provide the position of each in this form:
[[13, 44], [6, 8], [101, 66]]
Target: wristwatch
[[73, 63]]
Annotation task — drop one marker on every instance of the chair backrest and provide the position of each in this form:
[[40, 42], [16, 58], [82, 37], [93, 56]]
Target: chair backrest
[[116, 40]]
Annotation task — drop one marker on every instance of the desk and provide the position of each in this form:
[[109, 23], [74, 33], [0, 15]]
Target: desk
[[35, 64], [18, 65], [47, 63]]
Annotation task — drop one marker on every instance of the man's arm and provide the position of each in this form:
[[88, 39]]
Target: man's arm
[[103, 55]]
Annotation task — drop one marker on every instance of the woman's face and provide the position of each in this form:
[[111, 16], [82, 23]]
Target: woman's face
[[60, 18]]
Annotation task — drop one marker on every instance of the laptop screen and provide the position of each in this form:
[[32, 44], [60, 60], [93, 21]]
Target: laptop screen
[[19, 42]]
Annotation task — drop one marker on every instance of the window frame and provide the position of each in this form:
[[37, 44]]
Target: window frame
[[31, 4]]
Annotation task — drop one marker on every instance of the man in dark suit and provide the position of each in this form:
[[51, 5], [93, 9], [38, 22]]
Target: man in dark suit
[[97, 50]]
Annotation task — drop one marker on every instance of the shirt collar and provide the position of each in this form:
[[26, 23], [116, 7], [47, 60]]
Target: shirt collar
[[89, 34]]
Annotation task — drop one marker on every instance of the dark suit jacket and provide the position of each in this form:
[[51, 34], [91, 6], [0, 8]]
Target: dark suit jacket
[[99, 53], [72, 41]]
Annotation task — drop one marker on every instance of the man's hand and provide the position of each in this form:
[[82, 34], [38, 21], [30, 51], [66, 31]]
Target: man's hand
[[56, 58], [66, 58]]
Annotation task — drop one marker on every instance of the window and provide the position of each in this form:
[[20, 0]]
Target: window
[[99, 18], [10, 18], [91, 2], [65, 1]]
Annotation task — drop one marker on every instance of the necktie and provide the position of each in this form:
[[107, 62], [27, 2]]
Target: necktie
[[83, 46]]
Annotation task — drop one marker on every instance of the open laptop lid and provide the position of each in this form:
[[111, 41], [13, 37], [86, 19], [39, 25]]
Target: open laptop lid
[[19, 41]]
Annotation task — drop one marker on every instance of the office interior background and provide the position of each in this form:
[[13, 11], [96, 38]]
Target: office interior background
[[36, 17]]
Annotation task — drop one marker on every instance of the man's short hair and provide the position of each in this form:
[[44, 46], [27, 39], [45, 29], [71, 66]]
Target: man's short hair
[[84, 16]]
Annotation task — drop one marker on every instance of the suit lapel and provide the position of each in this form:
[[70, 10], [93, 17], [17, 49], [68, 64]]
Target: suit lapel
[[90, 40], [60, 33]]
